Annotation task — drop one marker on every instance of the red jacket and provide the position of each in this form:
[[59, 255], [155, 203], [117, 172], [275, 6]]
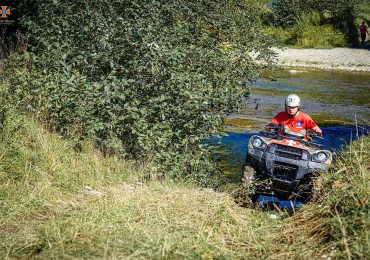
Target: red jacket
[[299, 124]]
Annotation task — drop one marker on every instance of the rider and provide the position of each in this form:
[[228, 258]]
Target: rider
[[293, 120]]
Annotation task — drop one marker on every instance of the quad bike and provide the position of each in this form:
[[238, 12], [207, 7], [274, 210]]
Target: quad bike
[[281, 168]]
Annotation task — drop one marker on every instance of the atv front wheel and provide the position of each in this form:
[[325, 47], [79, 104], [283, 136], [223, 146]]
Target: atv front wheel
[[249, 175], [246, 193]]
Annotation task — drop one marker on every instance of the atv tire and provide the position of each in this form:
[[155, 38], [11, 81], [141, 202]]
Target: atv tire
[[249, 175], [246, 196]]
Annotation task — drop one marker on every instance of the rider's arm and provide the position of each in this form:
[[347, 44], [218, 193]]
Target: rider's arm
[[267, 128], [311, 125], [317, 129], [273, 121]]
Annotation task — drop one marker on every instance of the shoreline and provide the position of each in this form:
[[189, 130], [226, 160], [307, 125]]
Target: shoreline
[[342, 59]]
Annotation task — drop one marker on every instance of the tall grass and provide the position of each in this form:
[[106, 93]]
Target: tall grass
[[62, 199], [295, 26], [43, 177], [337, 223], [60, 202], [305, 34]]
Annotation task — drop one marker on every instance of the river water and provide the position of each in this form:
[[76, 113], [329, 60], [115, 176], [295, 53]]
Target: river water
[[339, 102]]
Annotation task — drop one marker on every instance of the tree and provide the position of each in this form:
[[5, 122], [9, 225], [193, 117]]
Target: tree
[[145, 78], [340, 13]]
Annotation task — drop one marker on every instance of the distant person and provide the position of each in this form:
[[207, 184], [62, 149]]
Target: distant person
[[363, 31], [293, 120]]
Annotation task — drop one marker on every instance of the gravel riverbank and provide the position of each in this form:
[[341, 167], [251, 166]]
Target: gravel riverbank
[[348, 59]]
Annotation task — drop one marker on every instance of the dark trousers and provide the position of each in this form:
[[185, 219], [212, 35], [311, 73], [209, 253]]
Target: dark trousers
[[363, 37]]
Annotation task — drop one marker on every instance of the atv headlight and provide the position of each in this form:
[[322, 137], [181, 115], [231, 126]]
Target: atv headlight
[[320, 157], [258, 143]]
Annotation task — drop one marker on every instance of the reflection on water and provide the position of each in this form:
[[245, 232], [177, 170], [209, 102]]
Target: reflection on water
[[233, 147]]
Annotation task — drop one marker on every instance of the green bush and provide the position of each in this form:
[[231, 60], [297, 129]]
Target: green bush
[[340, 15], [144, 78], [283, 13], [304, 35], [320, 37]]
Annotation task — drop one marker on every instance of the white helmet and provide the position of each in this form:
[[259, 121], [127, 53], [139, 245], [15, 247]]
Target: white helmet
[[292, 101]]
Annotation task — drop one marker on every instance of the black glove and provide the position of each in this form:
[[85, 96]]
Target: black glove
[[311, 133]]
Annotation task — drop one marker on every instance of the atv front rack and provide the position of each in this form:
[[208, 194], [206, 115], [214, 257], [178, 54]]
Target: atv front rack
[[279, 137]]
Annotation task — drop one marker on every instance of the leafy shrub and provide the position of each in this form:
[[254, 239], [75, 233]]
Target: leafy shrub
[[303, 35], [341, 15], [144, 78], [320, 37], [283, 13]]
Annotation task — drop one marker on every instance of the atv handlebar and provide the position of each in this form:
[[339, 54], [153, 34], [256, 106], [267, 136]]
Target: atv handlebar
[[311, 134], [274, 127]]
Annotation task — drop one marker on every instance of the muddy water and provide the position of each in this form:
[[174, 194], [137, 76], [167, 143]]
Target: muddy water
[[337, 101]]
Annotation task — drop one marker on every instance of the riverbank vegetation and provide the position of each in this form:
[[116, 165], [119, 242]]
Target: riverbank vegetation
[[313, 24], [60, 203], [150, 80], [106, 110]]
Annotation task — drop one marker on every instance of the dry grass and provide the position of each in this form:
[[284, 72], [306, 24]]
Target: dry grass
[[336, 224], [59, 203]]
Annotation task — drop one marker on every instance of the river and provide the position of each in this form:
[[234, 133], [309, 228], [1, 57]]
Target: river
[[339, 102]]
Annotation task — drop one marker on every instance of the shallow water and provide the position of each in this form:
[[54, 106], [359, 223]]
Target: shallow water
[[337, 101], [329, 97]]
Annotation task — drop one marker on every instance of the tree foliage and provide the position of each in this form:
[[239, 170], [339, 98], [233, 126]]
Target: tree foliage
[[143, 77], [340, 13]]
